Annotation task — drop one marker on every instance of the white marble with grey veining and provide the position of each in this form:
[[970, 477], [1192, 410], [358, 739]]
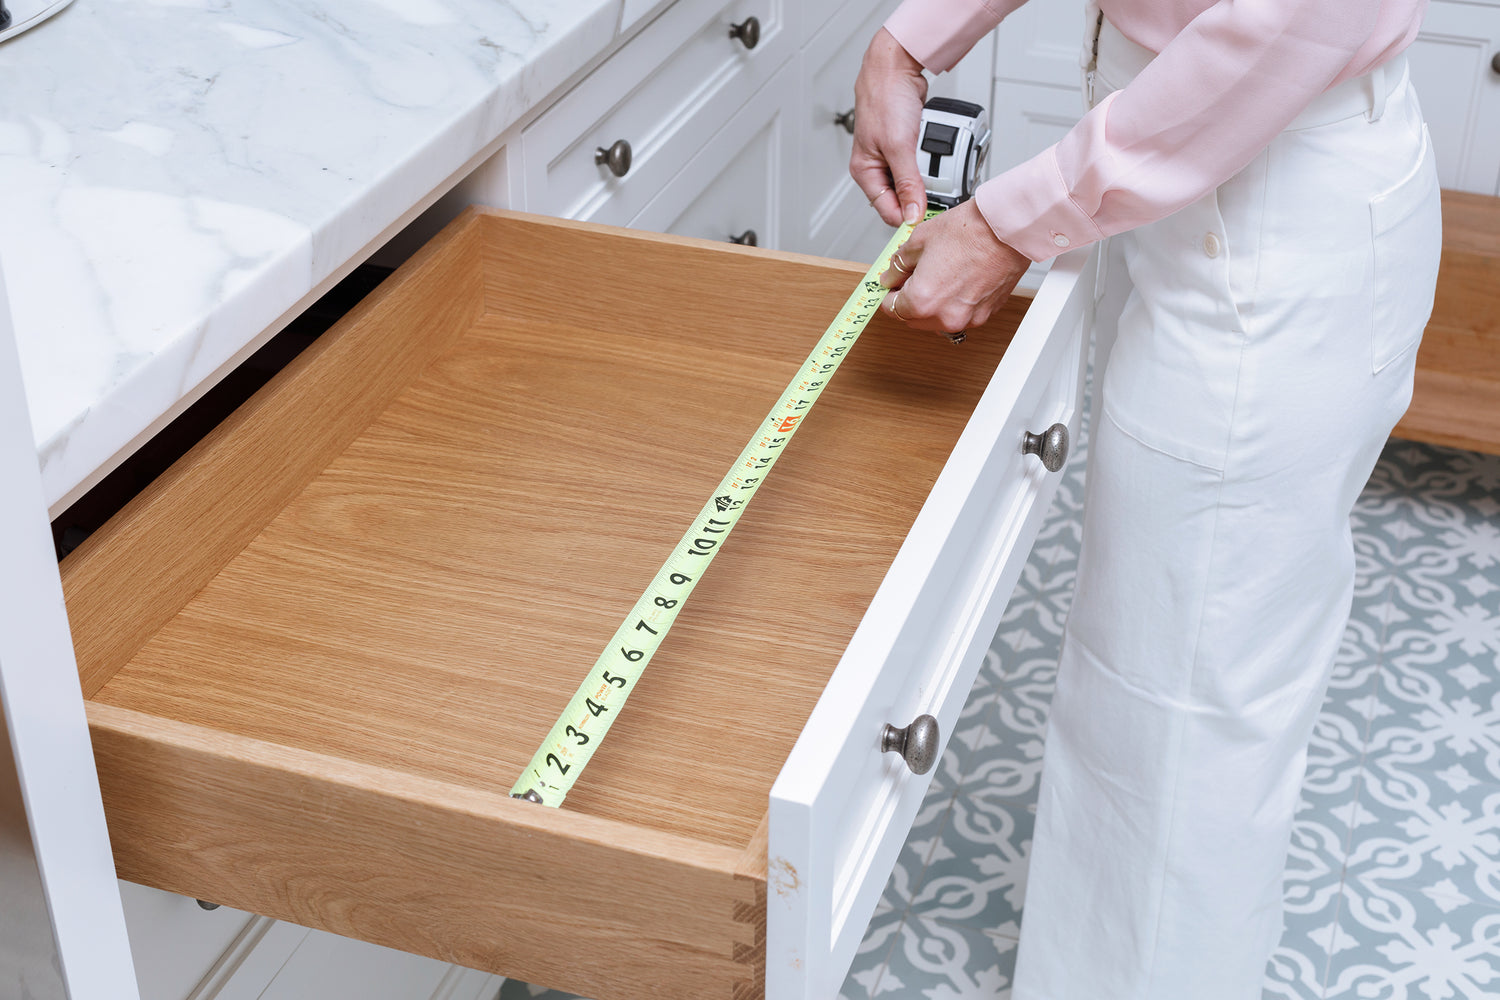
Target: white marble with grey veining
[[176, 174]]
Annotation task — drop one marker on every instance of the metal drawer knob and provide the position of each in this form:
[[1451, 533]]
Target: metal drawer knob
[[4, 16], [1051, 446], [917, 743], [206, 905], [617, 157], [1495, 62], [747, 31], [845, 119], [746, 239]]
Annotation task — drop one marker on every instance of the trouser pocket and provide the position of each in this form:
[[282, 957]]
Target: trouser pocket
[[1406, 227]]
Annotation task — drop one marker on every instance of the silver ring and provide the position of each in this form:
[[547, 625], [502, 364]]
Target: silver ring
[[957, 338], [899, 264], [894, 312]]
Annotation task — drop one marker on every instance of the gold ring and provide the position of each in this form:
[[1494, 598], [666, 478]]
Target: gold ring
[[894, 311], [899, 264], [957, 338]]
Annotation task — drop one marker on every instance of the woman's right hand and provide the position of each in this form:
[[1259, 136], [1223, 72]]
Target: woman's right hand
[[888, 98]]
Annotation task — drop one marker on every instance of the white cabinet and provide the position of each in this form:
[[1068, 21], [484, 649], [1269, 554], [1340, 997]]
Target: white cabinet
[[609, 145], [828, 196], [736, 186], [1455, 64]]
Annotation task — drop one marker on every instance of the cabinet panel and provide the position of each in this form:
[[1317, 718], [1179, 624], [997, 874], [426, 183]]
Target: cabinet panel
[[174, 941], [737, 183], [1028, 118], [1460, 92], [663, 94], [1041, 43], [828, 195]]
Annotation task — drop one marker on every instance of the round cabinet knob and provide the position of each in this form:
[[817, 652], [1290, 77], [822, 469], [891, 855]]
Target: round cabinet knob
[[845, 119], [747, 31], [206, 905], [616, 157], [746, 239], [917, 743], [1495, 62], [1051, 446], [4, 16]]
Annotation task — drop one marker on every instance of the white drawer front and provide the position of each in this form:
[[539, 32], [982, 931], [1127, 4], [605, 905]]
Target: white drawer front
[[664, 93], [735, 185], [841, 809], [174, 941], [830, 198]]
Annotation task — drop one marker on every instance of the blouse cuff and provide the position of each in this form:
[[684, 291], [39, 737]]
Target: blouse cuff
[[1030, 209]]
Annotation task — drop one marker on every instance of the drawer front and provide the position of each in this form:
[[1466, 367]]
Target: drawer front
[[174, 941], [663, 94], [734, 186], [830, 198], [841, 808]]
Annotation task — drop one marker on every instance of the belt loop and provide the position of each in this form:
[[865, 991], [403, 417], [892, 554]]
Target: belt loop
[[1380, 90]]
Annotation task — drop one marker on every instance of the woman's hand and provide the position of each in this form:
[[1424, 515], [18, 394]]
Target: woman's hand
[[888, 97], [952, 274]]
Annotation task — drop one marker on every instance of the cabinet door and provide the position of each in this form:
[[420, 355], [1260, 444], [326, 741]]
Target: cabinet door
[[736, 186], [1453, 70], [841, 809], [830, 62], [1040, 43]]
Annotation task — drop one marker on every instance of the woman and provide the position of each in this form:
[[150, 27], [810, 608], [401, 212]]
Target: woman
[[1261, 178]]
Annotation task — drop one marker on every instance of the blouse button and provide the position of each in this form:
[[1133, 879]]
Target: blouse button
[[1059, 239], [1211, 245]]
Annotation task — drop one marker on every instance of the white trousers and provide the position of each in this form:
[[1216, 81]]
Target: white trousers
[[1264, 347]]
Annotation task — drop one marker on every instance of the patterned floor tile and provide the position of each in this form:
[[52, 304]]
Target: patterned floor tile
[[874, 953], [977, 876], [1420, 906], [1437, 961], [942, 961]]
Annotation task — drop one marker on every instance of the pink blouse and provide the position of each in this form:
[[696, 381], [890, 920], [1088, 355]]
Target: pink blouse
[[1229, 75]]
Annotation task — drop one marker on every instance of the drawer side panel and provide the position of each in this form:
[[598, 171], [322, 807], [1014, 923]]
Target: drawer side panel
[[132, 576]]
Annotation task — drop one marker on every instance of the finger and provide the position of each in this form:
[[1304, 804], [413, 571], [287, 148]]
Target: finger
[[910, 189], [913, 305], [910, 253], [903, 265], [871, 176]]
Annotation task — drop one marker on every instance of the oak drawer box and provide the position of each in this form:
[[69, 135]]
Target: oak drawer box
[[320, 649]]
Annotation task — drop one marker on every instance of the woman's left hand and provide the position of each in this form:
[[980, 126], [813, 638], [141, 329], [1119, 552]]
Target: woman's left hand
[[957, 273]]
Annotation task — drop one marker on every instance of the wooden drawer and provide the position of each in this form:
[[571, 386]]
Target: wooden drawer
[[664, 93], [318, 651]]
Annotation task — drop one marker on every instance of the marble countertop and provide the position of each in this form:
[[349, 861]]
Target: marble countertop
[[176, 174]]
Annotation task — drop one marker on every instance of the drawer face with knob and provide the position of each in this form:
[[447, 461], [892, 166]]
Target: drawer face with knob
[[318, 651], [608, 145], [735, 188]]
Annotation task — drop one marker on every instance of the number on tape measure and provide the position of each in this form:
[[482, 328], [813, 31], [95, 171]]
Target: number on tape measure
[[581, 727]]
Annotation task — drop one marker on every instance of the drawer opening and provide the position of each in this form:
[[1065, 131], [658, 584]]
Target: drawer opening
[[320, 649]]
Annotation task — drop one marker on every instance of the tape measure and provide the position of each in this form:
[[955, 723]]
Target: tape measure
[[576, 735]]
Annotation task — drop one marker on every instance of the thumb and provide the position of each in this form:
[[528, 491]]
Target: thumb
[[910, 189]]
